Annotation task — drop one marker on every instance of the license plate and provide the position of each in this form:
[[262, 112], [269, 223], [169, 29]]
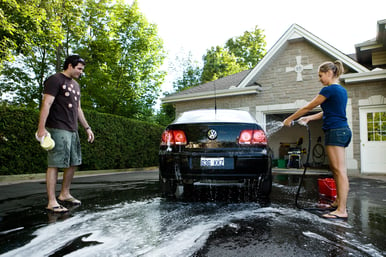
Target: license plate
[[212, 162]]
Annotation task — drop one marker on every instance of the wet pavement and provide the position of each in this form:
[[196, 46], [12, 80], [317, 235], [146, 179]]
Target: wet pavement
[[124, 214]]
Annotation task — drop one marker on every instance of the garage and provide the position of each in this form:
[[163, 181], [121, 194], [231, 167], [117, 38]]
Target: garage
[[287, 78], [290, 144]]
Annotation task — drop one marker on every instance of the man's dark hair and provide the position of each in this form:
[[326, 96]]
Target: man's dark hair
[[73, 60]]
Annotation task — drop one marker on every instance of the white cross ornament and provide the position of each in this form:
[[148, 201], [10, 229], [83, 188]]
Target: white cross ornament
[[299, 68]]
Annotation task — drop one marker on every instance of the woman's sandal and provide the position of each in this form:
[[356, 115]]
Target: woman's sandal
[[70, 201], [333, 216]]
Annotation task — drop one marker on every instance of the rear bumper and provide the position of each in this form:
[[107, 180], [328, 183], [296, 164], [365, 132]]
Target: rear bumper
[[237, 165]]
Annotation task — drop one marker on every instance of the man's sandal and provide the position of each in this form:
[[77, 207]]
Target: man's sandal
[[57, 209]]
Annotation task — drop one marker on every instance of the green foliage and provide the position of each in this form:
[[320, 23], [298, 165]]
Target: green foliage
[[20, 22], [218, 63], [240, 53], [120, 142], [19, 151], [191, 74], [14, 80], [249, 48], [123, 63], [166, 114], [23, 77], [122, 50]]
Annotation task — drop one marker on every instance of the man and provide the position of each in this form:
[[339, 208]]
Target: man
[[59, 115]]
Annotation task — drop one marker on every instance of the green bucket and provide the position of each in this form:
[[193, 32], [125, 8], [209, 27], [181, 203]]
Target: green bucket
[[281, 163]]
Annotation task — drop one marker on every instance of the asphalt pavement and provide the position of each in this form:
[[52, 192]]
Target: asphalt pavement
[[14, 186], [134, 192]]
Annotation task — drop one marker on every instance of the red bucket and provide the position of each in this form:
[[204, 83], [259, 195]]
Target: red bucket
[[327, 187]]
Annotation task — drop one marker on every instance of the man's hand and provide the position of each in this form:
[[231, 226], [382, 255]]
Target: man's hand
[[90, 135]]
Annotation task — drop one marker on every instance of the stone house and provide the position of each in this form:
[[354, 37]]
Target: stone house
[[287, 78]]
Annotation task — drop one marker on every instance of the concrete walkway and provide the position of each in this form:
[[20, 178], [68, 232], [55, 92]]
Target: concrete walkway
[[13, 179]]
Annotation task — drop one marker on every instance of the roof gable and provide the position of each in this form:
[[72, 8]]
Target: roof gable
[[372, 53], [296, 32], [226, 86], [244, 83]]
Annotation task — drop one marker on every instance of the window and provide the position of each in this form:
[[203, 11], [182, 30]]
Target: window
[[376, 126]]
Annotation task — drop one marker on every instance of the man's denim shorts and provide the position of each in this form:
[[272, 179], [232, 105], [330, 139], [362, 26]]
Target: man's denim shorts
[[338, 137], [67, 152]]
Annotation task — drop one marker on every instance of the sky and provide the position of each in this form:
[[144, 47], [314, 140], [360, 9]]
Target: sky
[[197, 25]]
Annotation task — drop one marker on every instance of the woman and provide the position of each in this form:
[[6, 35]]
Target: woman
[[333, 100]]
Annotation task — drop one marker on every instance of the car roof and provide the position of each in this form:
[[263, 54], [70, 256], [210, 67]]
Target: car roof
[[212, 115]]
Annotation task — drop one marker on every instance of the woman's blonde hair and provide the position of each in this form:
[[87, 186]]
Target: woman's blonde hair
[[336, 67]]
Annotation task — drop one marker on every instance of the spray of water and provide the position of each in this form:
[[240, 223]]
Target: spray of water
[[273, 127]]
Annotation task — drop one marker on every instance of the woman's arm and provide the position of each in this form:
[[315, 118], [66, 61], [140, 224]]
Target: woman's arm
[[318, 100]]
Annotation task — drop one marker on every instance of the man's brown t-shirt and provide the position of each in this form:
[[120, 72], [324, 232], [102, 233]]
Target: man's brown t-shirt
[[64, 110]]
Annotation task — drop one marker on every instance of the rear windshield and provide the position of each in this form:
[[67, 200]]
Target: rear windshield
[[227, 116]]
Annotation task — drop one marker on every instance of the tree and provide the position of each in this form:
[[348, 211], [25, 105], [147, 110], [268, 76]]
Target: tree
[[218, 63], [166, 114], [239, 53], [123, 54], [24, 76], [20, 22], [191, 73], [189, 76], [249, 48]]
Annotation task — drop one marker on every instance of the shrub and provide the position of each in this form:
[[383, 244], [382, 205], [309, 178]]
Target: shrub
[[119, 142]]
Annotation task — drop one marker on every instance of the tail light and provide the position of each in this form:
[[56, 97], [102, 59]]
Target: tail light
[[173, 137], [251, 137]]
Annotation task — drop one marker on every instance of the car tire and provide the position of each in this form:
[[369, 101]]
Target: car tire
[[168, 187], [188, 189], [265, 184]]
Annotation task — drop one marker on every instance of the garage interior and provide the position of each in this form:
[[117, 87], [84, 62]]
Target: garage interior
[[290, 144]]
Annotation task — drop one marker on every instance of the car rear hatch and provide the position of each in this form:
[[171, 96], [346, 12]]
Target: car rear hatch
[[215, 148]]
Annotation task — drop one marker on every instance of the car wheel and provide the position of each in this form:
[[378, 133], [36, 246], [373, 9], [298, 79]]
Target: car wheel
[[188, 189], [265, 184], [168, 187]]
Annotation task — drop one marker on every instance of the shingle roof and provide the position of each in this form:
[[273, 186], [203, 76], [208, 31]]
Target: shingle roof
[[222, 83], [244, 82]]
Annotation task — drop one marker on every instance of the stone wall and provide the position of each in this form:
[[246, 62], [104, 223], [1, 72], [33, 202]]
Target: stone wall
[[283, 93], [357, 92]]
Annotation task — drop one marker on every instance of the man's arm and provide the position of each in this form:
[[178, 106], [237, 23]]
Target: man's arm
[[84, 123], [44, 111]]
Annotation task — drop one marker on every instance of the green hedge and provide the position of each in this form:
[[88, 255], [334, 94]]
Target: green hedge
[[119, 142]]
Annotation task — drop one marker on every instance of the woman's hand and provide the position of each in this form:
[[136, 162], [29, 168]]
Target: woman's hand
[[287, 122], [303, 121]]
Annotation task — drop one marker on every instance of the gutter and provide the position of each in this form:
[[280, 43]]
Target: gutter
[[364, 76], [232, 91]]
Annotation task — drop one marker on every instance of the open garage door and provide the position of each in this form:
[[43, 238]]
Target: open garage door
[[286, 140]]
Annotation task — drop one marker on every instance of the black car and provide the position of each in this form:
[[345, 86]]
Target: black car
[[213, 148]]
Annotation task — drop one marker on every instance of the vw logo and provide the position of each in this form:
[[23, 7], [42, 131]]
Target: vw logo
[[212, 134]]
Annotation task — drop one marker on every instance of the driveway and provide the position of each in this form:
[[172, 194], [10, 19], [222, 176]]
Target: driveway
[[123, 214]]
